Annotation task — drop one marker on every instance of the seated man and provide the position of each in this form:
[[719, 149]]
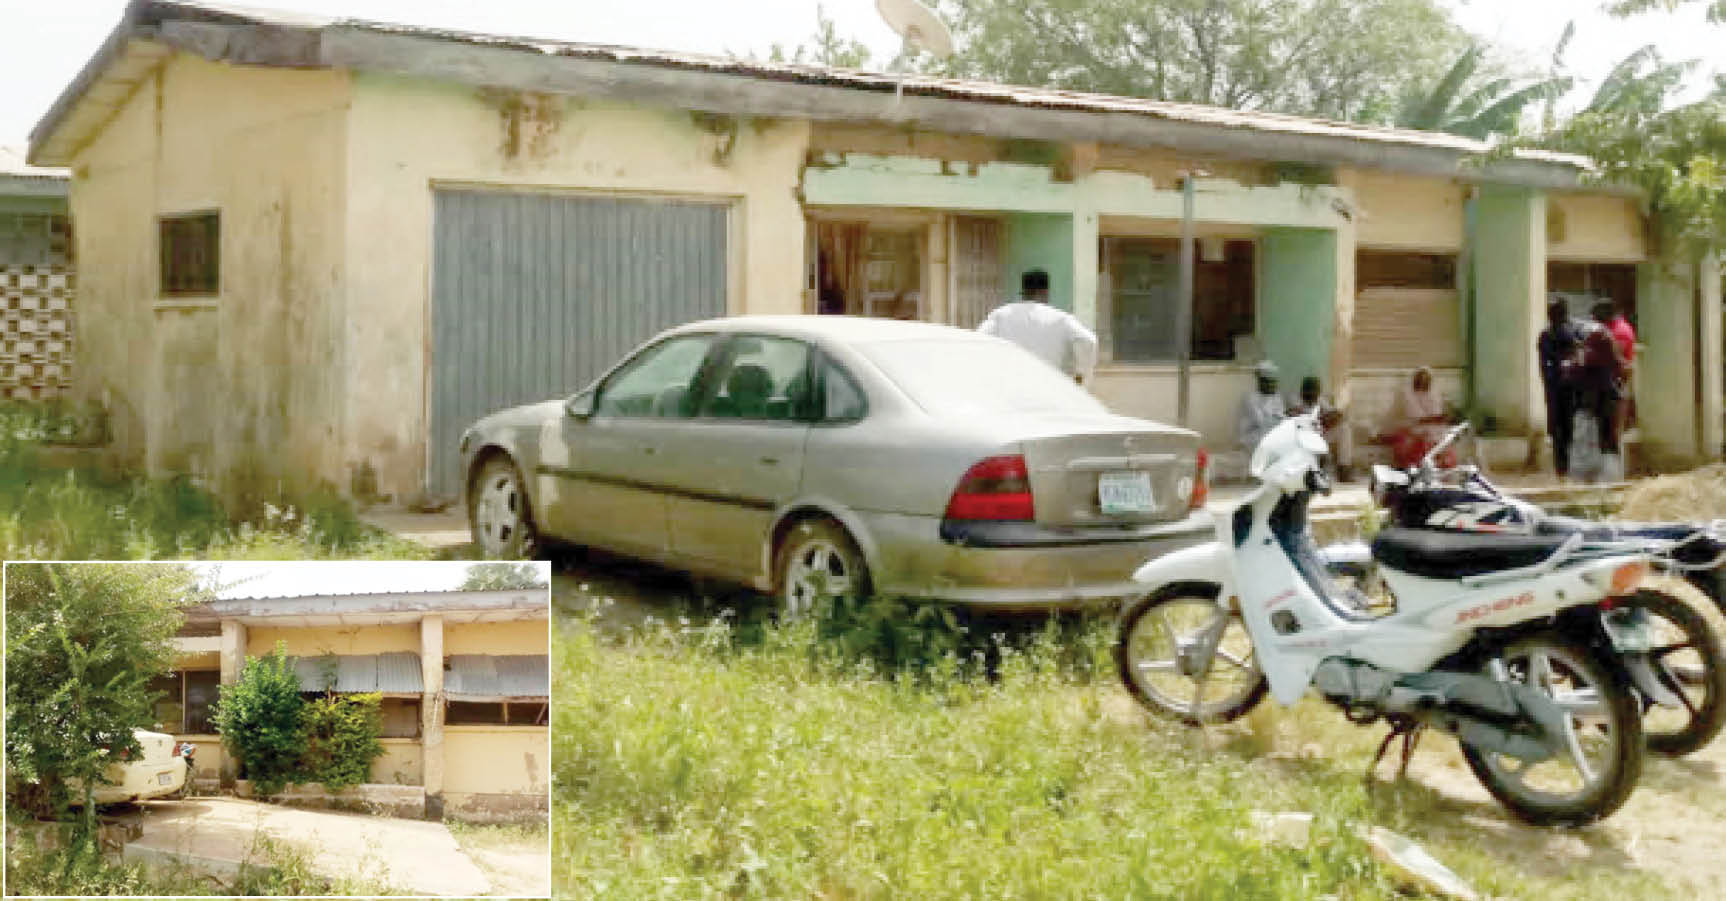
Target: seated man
[[1331, 420], [1260, 409]]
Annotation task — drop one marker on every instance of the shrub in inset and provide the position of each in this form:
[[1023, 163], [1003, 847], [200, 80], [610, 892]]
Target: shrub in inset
[[261, 721], [341, 733]]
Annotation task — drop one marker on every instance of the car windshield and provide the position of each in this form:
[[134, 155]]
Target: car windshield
[[970, 377]]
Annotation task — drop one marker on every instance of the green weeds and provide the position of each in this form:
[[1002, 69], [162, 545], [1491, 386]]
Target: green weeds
[[811, 759]]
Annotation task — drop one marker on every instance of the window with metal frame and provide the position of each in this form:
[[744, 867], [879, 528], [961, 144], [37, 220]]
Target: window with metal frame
[[191, 254]]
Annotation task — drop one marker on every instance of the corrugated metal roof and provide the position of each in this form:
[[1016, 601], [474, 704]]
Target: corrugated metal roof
[[396, 673], [150, 20], [492, 677]]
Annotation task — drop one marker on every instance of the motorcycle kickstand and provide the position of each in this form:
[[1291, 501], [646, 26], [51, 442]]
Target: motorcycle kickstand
[[1410, 732]]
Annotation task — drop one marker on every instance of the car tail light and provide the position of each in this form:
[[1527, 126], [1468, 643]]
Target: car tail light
[[995, 488], [1201, 481]]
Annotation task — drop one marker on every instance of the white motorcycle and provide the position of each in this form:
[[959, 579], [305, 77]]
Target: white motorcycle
[[1508, 642]]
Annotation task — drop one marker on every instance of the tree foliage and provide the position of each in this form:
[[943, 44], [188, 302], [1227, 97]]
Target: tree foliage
[[1475, 102], [1716, 8], [261, 720], [1675, 153], [500, 575], [1340, 59], [825, 48], [83, 642]]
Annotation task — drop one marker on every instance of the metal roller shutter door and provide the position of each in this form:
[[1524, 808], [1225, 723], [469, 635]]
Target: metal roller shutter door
[[535, 295]]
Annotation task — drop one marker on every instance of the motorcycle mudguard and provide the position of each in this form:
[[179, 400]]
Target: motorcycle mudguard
[[1206, 562]]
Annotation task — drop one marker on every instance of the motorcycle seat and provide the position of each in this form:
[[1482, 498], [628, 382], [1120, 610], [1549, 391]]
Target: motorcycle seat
[[1438, 554]]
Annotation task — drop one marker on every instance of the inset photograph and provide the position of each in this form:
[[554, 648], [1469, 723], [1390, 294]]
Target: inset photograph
[[277, 728]]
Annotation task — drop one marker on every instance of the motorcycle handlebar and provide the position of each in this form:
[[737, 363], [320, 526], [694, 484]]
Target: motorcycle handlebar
[[1426, 462]]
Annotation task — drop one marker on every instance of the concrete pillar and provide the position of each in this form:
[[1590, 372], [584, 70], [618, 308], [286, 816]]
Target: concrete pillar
[[1302, 277], [233, 660], [1678, 374], [1509, 257], [1086, 259], [431, 713], [1711, 286]]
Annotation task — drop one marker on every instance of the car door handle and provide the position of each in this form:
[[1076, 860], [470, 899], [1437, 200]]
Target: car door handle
[[769, 461]]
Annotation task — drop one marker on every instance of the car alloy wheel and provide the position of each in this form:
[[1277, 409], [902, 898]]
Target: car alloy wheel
[[818, 561], [502, 526]]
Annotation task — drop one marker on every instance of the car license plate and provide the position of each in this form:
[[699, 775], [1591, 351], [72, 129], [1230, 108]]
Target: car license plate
[[164, 778], [1125, 492]]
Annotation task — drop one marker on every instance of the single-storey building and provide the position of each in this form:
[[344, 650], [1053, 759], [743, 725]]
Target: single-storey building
[[36, 279], [318, 249], [464, 679]]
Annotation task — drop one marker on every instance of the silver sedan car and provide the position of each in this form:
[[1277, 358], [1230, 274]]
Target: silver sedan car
[[811, 456]]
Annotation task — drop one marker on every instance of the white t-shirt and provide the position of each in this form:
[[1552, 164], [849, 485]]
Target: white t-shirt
[[1055, 336]]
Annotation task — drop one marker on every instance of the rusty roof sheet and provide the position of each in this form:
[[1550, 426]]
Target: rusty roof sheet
[[497, 677]]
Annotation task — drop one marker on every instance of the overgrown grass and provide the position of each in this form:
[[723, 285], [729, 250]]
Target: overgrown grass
[[273, 869], [51, 512], [799, 761]]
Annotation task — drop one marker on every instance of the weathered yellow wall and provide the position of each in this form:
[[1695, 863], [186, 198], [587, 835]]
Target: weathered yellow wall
[[307, 642], [496, 760], [1595, 228], [1149, 392], [243, 387], [400, 763], [528, 637], [405, 135], [1405, 212]]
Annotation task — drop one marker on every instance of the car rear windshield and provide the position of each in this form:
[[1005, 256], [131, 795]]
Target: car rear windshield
[[971, 377]]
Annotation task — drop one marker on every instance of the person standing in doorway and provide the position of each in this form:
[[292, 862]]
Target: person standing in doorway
[[1599, 391], [1558, 346], [1624, 337], [1054, 336]]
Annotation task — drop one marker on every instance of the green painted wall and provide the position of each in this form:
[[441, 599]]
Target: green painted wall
[[1509, 256], [1041, 241], [1296, 300]]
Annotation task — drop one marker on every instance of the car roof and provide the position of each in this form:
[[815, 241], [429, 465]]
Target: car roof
[[840, 329]]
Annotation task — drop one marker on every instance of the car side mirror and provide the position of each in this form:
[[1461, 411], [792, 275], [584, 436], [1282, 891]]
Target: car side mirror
[[580, 406]]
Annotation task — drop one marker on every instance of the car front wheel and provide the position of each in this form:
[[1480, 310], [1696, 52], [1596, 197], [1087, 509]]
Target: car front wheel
[[498, 512]]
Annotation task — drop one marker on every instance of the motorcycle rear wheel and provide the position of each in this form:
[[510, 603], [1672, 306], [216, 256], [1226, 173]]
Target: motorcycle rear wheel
[[1159, 656], [1606, 717]]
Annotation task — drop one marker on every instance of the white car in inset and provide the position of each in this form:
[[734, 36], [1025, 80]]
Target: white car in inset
[[163, 768]]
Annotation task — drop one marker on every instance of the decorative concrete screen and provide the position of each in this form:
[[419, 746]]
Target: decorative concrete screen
[[36, 285]]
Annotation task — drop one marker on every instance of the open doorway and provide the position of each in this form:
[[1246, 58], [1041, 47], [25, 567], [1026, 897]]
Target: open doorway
[[869, 269]]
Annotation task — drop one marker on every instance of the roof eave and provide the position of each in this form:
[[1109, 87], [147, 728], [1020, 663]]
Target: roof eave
[[706, 85]]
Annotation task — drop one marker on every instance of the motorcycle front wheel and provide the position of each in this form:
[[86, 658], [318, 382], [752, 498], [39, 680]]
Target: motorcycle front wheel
[[1603, 733], [1163, 660]]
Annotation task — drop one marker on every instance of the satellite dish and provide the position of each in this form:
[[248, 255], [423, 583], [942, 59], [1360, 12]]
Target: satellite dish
[[919, 26]]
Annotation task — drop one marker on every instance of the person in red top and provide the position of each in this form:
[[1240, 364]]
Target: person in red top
[[1624, 339]]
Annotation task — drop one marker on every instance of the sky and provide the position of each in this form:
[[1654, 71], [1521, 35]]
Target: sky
[[43, 43], [282, 579]]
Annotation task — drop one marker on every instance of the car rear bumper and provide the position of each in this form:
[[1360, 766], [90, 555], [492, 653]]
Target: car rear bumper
[[1019, 565]]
